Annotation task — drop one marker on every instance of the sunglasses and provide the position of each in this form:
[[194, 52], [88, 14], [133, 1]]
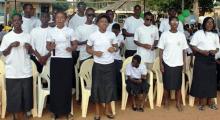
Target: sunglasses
[[149, 19], [91, 15]]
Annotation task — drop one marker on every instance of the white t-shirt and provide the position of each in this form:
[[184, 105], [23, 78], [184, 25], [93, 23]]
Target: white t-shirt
[[109, 28], [165, 26], [39, 39], [82, 33], [173, 45], [18, 62], [131, 24], [205, 40], [101, 42], [146, 35], [134, 72], [120, 40], [76, 21], [30, 23], [62, 38]]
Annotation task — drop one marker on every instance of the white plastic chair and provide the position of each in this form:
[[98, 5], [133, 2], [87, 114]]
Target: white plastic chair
[[3, 90], [160, 89], [86, 76], [35, 74], [43, 92], [124, 91], [4, 102], [86, 85]]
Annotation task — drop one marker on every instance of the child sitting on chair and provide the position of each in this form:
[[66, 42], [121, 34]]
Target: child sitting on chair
[[137, 84]]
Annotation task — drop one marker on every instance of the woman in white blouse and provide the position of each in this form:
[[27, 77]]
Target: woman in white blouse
[[61, 42], [172, 44], [102, 44], [205, 44]]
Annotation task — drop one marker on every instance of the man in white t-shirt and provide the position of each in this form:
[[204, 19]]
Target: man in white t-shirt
[[111, 15], [130, 26], [145, 38], [78, 19], [165, 26], [38, 40], [83, 32], [29, 21], [19, 82]]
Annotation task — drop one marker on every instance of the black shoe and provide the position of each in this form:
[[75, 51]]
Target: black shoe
[[213, 107], [110, 116], [141, 109], [134, 108], [97, 118], [201, 107]]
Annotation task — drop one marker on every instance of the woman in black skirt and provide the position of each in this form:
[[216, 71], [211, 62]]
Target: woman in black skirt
[[205, 44], [61, 42], [102, 44], [172, 44]]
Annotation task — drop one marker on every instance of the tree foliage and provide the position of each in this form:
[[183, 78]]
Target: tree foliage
[[162, 5], [61, 5]]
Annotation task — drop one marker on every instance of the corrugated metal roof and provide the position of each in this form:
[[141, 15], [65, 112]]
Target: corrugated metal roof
[[34, 1]]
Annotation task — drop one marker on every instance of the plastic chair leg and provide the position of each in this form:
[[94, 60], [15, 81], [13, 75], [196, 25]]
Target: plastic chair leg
[[191, 100], [71, 107], [3, 104], [124, 99], [113, 107], [85, 101], [151, 98], [41, 99]]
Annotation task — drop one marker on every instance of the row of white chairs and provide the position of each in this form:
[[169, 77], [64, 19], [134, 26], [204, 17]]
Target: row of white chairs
[[85, 76]]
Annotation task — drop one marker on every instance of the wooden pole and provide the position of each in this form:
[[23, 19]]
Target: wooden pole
[[16, 5], [5, 14]]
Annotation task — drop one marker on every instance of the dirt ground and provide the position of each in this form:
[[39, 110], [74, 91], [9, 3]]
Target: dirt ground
[[189, 113]]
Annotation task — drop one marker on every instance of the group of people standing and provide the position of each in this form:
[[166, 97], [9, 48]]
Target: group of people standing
[[101, 38]]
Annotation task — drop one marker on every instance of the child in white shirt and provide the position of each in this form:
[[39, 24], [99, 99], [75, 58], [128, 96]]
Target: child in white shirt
[[137, 84]]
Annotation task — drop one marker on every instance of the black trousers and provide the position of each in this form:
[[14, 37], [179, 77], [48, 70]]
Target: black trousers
[[218, 76], [75, 56]]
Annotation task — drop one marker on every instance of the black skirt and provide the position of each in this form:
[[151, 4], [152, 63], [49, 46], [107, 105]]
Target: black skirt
[[61, 77], [135, 89], [19, 94], [204, 83], [172, 77], [104, 89]]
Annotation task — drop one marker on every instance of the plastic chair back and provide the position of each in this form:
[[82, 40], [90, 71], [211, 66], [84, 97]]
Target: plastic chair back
[[86, 73]]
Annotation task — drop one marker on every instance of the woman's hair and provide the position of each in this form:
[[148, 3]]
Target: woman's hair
[[61, 12], [27, 4], [205, 22], [17, 14], [107, 11], [100, 16], [148, 14], [116, 26], [137, 58], [137, 6], [90, 9], [172, 18]]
